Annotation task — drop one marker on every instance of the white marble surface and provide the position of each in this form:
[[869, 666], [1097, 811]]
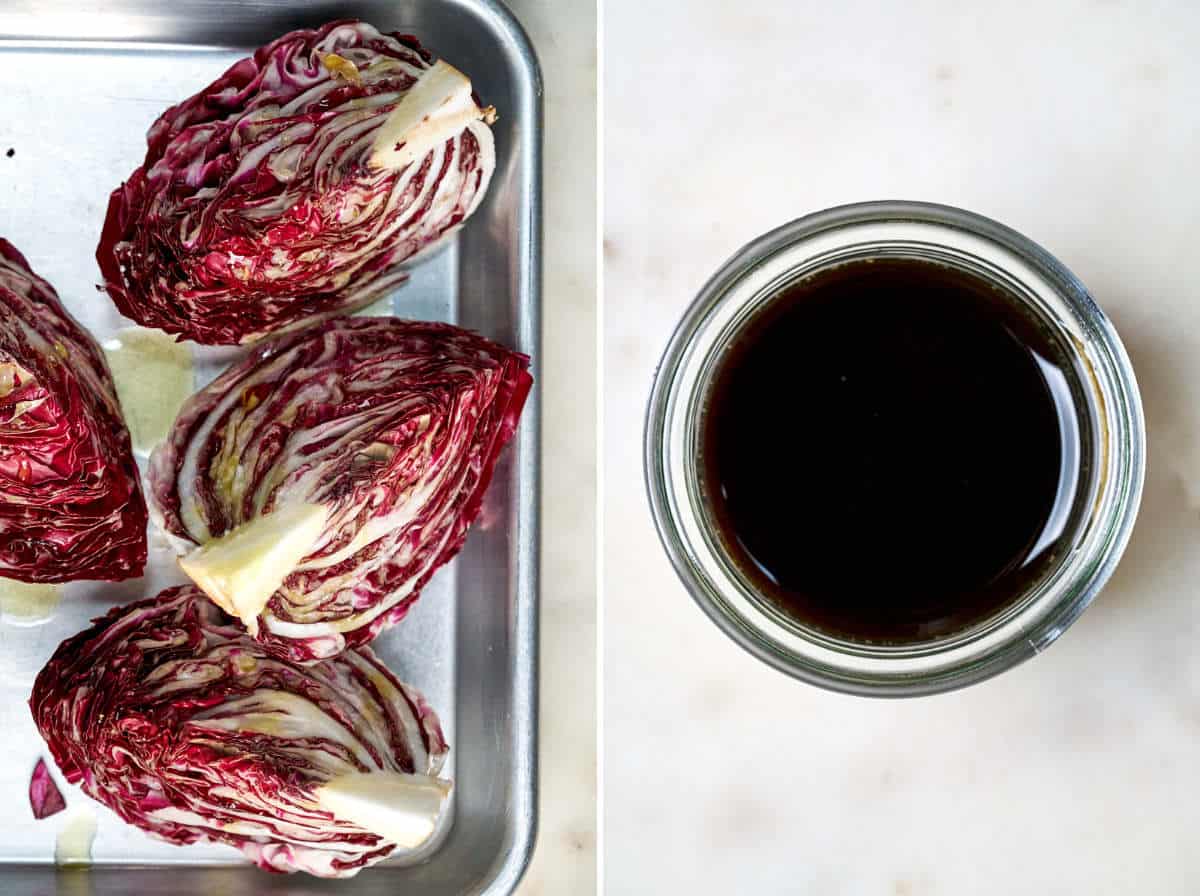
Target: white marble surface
[[564, 862], [1077, 123]]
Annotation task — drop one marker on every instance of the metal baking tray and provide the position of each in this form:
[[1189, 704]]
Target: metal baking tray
[[81, 84]]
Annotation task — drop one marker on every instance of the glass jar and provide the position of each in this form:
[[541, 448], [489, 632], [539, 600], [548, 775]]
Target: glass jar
[[1110, 423]]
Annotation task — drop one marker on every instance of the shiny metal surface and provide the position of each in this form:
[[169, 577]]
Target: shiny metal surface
[[80, 89]]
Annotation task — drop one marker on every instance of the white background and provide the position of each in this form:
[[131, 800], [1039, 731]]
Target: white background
[[563, 33], [1076, 123]]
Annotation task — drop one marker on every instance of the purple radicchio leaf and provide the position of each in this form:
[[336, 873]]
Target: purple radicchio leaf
[[45, 799]]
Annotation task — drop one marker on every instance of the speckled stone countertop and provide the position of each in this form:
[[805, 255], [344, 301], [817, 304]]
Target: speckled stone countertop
[[1076, 123], [564, 861]]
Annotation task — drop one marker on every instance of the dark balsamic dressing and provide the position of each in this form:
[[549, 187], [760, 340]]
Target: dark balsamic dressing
[[882, 450]]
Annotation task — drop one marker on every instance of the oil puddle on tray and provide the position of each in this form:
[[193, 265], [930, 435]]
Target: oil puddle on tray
[[25, 604], [154, 376]]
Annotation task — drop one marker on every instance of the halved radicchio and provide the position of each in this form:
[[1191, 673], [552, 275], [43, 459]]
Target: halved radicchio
[[71, 503], [166, 712], [295, 184], [317, 485]]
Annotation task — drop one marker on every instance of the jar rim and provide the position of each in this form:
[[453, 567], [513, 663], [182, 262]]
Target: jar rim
[[940, 670]]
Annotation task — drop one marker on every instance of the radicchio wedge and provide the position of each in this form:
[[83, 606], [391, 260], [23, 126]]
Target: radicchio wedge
[[316, 486], [71, 504], [165, 711], [295, 185]]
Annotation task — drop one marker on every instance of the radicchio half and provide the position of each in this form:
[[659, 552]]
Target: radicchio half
[[166, 712], [71, 504], [295, 184], [388, 429]]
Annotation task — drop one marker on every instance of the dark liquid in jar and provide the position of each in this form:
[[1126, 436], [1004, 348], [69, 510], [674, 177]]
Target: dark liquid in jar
[[889, 451]]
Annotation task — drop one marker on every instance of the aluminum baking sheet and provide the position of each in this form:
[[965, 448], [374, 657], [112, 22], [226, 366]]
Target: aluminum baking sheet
[[79, 89]]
